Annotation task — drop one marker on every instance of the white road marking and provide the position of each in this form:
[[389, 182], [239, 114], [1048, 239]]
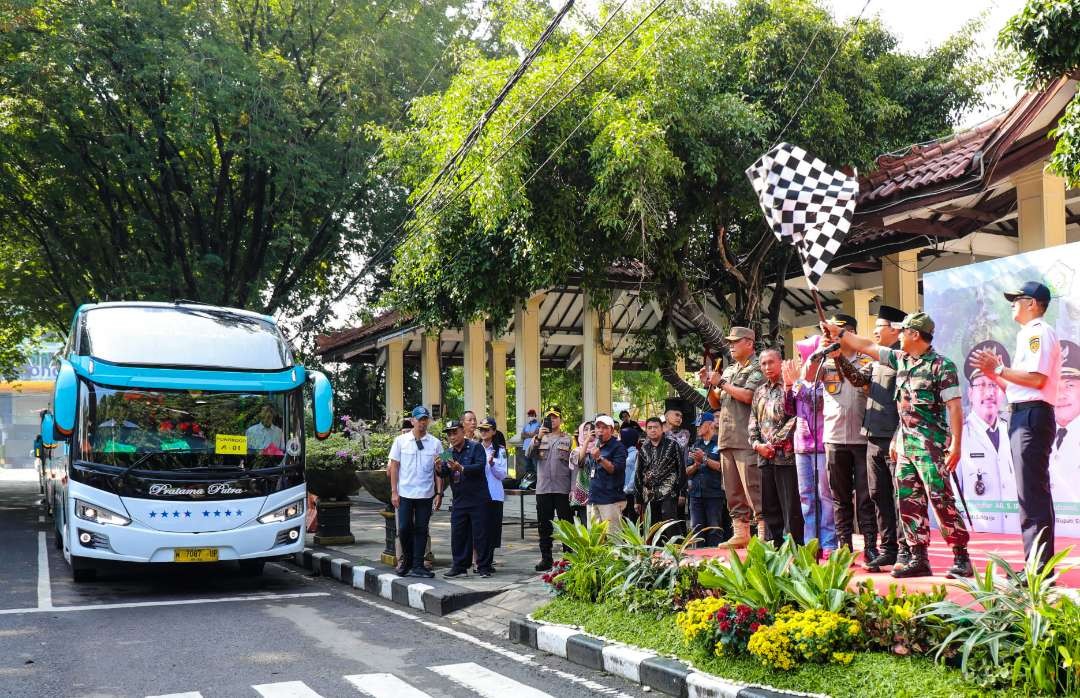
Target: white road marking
[[141, 604], [384, 686], [189, 694], [41, 519], [524, 659], [286, 689], [44, 588], [486, 682]]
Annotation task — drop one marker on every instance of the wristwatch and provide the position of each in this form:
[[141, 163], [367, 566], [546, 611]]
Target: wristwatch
[[999, 369]]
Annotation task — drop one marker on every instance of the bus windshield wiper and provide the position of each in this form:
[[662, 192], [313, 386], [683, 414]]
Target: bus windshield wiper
[[140, 461], [210, 468]]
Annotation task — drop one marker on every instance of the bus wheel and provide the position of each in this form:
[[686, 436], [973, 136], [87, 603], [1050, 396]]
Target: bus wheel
[[82, 570], [252, 568]]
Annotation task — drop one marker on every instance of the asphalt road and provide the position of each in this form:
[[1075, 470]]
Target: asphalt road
[[191, 631]]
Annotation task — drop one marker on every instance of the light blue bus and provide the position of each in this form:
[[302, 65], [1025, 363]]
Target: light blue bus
[[178, 433]]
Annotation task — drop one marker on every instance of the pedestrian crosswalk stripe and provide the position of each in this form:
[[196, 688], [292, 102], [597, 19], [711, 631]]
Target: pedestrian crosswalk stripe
[[286, 689], [384, 686], [189, 694], [485, 682]]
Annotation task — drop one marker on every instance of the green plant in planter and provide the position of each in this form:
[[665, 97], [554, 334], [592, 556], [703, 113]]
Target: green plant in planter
[[593, 565], [650, 570], [814, 585], [754, 581], [894, 623]]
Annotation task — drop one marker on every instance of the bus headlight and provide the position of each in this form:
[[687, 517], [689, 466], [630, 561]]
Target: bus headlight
[[95, 514], [289, 511]]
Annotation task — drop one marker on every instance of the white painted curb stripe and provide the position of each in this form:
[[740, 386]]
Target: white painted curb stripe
[[286, 689], [625, 661], [316, 560], [486, 682], [386, 589], [335, 567], [359, 573], [189, 694], [384, 686], [416, 594], [552, 639], [700, 685]]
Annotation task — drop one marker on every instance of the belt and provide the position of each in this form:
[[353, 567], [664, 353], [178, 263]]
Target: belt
[[1030, 404]]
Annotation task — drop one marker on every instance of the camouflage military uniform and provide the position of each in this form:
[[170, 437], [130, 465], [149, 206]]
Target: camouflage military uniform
[[923, 385]]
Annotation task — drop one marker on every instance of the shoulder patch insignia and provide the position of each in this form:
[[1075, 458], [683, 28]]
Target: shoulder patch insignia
[[1034, 343]]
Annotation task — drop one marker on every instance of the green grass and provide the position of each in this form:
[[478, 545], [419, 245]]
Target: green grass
[[870, 674]]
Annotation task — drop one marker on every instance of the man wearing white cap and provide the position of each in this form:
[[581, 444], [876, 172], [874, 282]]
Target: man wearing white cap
[[606, 465]]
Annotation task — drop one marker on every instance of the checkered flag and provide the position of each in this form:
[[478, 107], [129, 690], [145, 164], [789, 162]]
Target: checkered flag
[[806, 202]]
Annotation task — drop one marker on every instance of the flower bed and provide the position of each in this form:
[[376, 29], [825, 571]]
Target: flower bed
[[782, 618]]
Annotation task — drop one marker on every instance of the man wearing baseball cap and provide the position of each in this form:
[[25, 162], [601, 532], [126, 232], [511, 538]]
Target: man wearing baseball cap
[[1064, 473], [730, 394], [606, 464], [704, 483], [927, 444], [1031, 387], [550, 451], [414, 459]]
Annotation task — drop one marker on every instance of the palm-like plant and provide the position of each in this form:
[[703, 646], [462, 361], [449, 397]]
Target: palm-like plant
[[591, 558], [1007, 620], [754, 581], [814, 585]]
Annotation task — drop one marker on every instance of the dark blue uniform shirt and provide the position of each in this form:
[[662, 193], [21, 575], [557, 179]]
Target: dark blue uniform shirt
[[472, 488], [605, 487], [706, 482]]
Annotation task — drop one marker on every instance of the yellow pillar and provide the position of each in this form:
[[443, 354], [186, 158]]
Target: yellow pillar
[[498, 382], [475, 364], [856, 303], [900, 280], [595, 361], [430, 386], [395, 381], [527, 361], [787, 336], [1040, 208]]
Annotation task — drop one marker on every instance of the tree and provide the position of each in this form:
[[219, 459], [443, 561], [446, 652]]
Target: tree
[[219, 152], [645, 158], [1045, 36]]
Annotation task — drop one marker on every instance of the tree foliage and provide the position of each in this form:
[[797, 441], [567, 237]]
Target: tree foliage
[[645, 159], [220, 152], [1046, 35]]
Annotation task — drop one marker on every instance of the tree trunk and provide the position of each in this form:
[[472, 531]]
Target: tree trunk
[[684, 389]]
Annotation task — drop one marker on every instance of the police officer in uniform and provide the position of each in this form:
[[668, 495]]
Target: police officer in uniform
[[1065, 458], [928, 442], [1031, 386], [470, 518], [550, 452], [986, 469], [879, 427]]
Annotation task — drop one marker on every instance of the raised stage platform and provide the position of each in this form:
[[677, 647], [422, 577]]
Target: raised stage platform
[[1008, 546]]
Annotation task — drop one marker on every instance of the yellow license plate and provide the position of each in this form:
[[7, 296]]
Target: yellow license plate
[[195, 555]]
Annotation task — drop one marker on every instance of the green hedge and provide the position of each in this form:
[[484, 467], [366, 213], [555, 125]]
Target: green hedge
[[338, 452], [870, 674]]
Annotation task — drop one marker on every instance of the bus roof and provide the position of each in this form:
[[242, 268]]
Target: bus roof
[[181, 335]]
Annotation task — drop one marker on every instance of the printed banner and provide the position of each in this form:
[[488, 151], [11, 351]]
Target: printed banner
[[970, 312]]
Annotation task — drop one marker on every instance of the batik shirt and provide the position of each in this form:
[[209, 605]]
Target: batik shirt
[[772, 422], [923, 385], [661, 470]]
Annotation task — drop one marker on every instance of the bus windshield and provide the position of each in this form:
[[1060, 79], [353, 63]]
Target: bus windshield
[[189, 430]]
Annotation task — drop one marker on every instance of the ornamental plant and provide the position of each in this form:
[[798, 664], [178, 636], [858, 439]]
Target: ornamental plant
[[698, 619], [551, 577], [812, 635], [893, 623], [735, 627]]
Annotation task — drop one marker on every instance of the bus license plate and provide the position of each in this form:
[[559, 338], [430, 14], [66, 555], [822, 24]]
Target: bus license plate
[[195, 555]]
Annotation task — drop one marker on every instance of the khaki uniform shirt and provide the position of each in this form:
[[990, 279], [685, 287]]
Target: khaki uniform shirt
[[733, 417], [844, 405], [552, 454]]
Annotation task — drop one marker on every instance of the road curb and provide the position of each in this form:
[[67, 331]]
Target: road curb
[[669, 676], [433, 596]]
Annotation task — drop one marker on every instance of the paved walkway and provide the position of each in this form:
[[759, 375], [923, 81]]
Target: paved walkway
[[521, 589]]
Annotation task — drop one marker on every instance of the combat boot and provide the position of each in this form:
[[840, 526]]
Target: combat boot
[[870, 553], [883, 559], [917, 566], [961, 563], [741, 537], [545, 564], [903, 555]]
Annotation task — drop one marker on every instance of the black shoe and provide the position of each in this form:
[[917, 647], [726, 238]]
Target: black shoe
[[903, 555], [961, 564], [917, 566], [456, 573], [886, 559], [486, 573], [401, 571], [870, 553], [421, 572], [544, 565]]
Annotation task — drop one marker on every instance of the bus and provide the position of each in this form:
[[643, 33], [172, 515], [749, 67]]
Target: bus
[[176, 434]]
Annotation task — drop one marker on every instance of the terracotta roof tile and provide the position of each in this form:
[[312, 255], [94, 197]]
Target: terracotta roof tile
[[328, 342]]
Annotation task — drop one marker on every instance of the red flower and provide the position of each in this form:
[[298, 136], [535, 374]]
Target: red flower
[[754, 627], [725, 626], [762, 613]]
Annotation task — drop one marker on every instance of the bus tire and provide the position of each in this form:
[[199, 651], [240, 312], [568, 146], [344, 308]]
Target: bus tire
[[252, 568], [82, 570]]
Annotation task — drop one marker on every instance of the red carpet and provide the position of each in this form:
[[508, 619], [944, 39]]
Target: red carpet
[[1008, 546]]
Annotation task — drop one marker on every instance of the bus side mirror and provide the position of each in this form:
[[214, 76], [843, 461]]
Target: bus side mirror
[[48, 432], [65, 394], [322, 404]]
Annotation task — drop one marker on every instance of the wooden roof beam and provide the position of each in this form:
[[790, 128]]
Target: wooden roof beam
[[921, 226]]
